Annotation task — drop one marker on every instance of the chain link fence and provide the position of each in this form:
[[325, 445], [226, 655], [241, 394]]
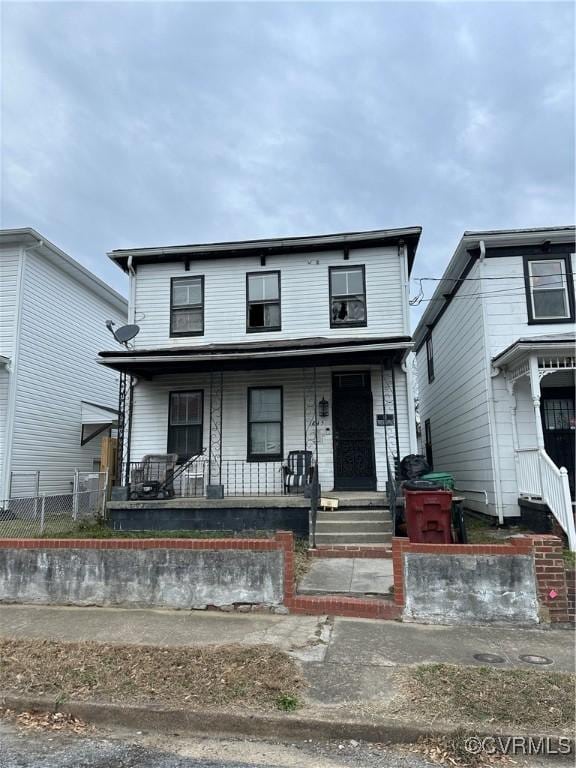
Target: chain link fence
[[30, 516]]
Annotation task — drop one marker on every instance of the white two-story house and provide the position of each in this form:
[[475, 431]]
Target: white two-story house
[[260, 350], [496, 359], [56, 402]]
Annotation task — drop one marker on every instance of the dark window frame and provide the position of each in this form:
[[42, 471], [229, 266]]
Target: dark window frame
[[352, 323], [170, 426], [250, 456], [428, 444], [174, 309], [567, 259], [269, 328], [430, 358]]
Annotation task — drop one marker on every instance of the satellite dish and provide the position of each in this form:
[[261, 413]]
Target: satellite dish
[[123, 334]]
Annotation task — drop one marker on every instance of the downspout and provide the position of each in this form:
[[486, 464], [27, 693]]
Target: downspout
[[407, 361], [131, 381], [407, 368], [495, 452]]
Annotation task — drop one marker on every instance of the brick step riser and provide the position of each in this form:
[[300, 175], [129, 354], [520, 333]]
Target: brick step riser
[[352, 520], [351, 538]]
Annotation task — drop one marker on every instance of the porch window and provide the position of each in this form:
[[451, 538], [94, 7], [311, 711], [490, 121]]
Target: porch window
[[347, 297], [265, 424], [263, 301], [430, 359], [549, 293], [187, 306], [185, 424]]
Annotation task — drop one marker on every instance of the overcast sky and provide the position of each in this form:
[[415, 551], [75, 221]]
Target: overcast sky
[[137, 124]]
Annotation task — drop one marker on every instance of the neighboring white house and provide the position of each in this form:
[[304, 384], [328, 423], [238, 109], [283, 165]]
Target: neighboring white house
[[53, 395], [256, 349], [496, 360]]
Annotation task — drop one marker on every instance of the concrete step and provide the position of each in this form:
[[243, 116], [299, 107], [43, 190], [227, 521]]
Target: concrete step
[[355, 526], [360, 515], [353, 538]]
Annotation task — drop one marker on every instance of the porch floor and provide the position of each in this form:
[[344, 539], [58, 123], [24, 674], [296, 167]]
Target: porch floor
[[348, 576], [356, 499]]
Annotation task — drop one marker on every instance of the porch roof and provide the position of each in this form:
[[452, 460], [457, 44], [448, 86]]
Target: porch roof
[[286, 353], [562, 343]]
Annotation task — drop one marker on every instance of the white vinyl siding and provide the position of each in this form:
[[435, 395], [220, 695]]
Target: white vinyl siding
[[305, 294], [507, 311], [150, 415], [62, 331], [456, 402]]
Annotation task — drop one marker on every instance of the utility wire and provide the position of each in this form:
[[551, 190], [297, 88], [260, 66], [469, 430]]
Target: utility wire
[[511, 291]]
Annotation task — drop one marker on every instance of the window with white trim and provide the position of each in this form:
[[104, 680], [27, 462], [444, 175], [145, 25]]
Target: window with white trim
[[187, 306], [265, 423]]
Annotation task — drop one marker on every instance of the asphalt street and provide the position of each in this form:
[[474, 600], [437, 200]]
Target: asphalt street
[[28, 748]]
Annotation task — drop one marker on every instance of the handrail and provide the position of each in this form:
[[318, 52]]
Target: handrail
[[550, 483]]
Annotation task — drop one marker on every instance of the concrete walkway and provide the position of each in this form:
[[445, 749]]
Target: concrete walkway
[[347, 660], [352, 576]]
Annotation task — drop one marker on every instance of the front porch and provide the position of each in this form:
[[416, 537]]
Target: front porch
[[540, 378], [234, 513]]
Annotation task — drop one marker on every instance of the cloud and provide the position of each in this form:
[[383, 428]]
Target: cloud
[[157, 123]]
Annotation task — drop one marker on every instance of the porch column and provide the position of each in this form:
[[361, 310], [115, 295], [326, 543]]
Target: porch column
[[215, 489], [535, 390]]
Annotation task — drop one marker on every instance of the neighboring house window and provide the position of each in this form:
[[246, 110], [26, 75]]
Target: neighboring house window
[[549, 289], [185, 424], [265, 423], [428, 443], [347, 296], [263, 301], [187, 306], [430, 359]]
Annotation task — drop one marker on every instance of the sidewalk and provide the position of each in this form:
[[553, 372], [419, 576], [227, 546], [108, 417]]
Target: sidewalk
[[347, 660]]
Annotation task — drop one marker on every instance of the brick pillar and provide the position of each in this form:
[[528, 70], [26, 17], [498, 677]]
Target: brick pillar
[[571, 587], [286, 539], [398, 546], [550, 577]]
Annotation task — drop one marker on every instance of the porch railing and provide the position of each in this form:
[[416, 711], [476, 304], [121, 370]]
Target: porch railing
[[238, 477], [539, 477]]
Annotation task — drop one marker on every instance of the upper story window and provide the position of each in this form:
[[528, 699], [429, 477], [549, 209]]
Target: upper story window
[[549, 289], [187, 306], [263, 301], [347, 297], [430, 359]]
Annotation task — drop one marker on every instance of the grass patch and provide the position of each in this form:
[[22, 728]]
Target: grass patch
[[66, 528], [256, 676], [302, 561], [569, 558], [515, 697]]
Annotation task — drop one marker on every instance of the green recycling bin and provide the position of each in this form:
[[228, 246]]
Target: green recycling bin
[[444, 479]]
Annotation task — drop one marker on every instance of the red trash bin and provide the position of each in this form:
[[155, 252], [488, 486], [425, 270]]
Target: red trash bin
[[429, 516]]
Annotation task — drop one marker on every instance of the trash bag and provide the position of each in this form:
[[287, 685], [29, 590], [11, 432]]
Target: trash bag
[[413, 466]]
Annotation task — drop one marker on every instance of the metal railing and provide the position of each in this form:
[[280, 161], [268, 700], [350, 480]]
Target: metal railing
[[539, 477], [188, 484], [238, 477], [252, 478]]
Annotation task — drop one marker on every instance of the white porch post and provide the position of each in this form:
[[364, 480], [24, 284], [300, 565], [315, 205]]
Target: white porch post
[[535, 390]]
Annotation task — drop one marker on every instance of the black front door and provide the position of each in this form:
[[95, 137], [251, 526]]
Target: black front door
[[353, 426], [558, 422]]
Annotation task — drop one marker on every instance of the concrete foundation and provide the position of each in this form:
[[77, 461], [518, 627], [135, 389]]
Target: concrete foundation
[[168, 578], [470, 589]]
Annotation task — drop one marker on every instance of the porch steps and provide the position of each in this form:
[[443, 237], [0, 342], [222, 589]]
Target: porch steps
[[343, 527]]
